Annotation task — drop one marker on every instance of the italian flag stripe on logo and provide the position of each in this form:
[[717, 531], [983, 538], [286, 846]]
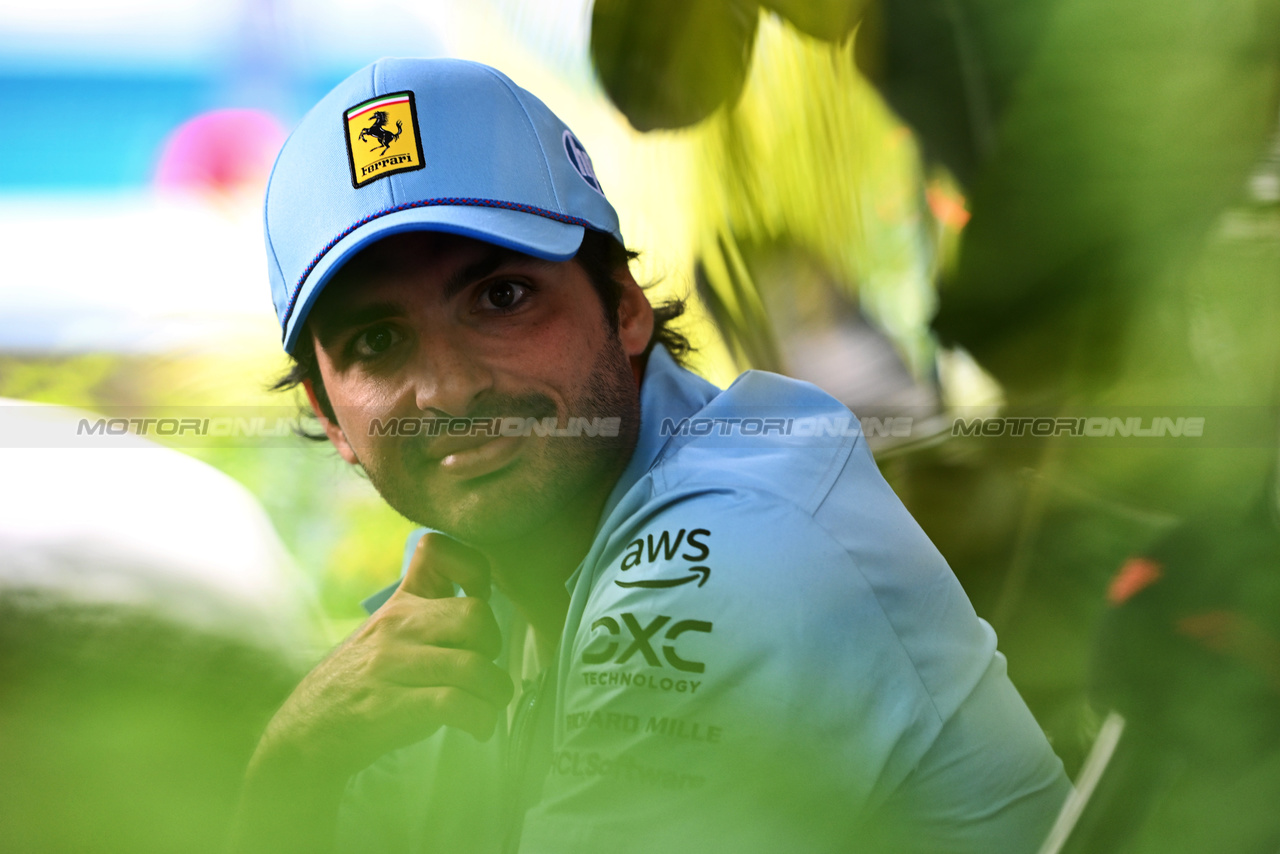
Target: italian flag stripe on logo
[[361, 109]]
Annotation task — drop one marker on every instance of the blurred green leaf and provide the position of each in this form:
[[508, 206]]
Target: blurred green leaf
[[671, 63]]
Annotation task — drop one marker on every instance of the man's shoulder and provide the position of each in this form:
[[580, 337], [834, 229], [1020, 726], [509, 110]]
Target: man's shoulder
[[780, 467], [789, 523], [765, 433]]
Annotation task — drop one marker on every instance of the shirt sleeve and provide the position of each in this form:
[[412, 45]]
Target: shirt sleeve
[[735, 682]]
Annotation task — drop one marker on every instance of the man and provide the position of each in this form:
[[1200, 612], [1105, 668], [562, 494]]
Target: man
[[730, 633]]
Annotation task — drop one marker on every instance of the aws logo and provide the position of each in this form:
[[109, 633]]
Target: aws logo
[[665, 548], [639, 639]]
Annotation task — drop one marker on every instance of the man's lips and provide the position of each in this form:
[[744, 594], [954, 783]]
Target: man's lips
[[473, 456], [443, 446]]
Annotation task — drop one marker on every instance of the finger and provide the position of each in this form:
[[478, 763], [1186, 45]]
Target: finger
[[457, 622], [431, 667], [439, 562], [420, 579]]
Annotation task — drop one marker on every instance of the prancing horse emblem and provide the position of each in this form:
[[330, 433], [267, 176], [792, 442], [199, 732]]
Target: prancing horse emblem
[[378, 131]]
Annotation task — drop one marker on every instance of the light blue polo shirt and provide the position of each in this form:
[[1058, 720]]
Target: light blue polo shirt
[[763, 652]]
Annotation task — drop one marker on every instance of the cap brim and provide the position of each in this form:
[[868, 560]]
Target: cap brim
[[524, 232]]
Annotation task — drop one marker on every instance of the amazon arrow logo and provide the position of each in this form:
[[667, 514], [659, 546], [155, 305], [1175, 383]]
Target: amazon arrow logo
[[701, 574]]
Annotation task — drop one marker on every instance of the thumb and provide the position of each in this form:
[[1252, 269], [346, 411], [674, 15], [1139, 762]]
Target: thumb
[[439, 562]]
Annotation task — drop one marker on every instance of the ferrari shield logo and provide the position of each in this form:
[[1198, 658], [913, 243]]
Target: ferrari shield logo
[[382, 138]]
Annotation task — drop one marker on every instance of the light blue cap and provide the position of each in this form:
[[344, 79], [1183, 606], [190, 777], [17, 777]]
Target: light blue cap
[[492, 162]]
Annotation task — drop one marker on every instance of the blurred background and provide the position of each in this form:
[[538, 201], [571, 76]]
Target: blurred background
[[944, 212]]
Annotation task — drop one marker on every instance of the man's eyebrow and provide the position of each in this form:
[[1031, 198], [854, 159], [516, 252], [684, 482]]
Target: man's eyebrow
[[483, 266], [334, 323]]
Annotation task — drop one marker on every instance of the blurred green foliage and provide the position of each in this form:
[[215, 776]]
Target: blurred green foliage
[[697, 50], [123, 732], [831, 181]]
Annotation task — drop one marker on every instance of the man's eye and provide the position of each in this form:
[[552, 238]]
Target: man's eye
[[503, 296], [374, 342]]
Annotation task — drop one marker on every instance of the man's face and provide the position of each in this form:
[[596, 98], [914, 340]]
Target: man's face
[[424, 326]]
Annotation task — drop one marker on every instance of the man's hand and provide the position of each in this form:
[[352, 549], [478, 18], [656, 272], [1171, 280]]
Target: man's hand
[[422, 661]]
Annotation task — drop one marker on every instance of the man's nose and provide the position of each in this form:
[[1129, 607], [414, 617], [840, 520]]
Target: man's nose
[[449, 377]]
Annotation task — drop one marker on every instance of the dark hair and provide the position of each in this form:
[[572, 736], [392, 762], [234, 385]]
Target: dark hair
[[600, 256]]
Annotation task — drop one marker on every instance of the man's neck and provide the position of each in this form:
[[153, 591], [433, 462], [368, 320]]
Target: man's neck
[[532, 571]]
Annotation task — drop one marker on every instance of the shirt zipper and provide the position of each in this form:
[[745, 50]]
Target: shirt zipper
[[523, 733]]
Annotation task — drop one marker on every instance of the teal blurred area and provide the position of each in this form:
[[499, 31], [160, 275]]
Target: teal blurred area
[[90, 130], [99, 131]]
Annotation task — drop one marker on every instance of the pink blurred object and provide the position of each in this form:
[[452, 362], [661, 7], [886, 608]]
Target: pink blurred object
[[220, 152]]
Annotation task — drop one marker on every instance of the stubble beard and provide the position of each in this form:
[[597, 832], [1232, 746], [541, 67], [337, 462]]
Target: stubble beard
[[555, 476]]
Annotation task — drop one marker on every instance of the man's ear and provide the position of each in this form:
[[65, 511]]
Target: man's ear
[[331, 428], [635, 315]]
